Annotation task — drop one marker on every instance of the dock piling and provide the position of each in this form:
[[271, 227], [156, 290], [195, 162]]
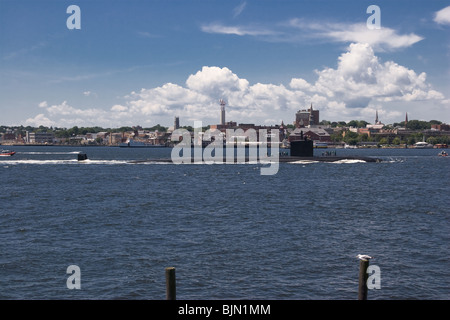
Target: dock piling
[[170, 283], [363, 276]]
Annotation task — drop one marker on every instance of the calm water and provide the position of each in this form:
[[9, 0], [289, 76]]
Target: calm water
[[230, 232]]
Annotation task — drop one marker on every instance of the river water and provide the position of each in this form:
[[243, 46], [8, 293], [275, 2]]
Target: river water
[[230, 232]]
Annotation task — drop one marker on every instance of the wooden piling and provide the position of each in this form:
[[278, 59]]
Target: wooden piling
[[170, 283], [363, 276]]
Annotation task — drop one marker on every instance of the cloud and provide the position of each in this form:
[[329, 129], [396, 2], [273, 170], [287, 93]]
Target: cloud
[[443, 16], [360, 78], [360, 81], [39, 120], [238, 9], [358, 85], [25, 51], [43, 104], [89, 94], [237, 30], [379, 39], [306, 31], [148, 35]]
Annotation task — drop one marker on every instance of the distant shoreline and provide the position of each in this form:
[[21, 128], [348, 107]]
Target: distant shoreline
[[117, 146]]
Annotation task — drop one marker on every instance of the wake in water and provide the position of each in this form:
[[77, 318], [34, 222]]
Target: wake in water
[[350, 161], [65, 162], [304, 162], [347, 161], [32, 152]]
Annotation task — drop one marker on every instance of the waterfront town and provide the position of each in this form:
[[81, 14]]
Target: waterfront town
[[355, 133]]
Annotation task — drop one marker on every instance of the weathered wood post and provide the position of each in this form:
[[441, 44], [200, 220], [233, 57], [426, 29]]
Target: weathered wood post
[[171, 289], [363, 276]]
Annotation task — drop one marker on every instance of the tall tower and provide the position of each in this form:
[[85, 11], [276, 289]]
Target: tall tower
[[406, 119], [311, 116], [376, 117], [176, 123], [222, 111]]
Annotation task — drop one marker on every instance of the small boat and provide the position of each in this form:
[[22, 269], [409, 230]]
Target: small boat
[[130, 143], [322, 145], [423, 145], [443, 154], [7, 153]]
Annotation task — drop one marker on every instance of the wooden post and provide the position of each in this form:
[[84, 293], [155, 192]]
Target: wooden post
[[363, 276], [170, 284]]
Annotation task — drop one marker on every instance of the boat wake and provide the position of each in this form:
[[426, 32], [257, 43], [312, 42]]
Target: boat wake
[[347, 161], [304, 162], [63, 162], [33, 152], [350, 161]]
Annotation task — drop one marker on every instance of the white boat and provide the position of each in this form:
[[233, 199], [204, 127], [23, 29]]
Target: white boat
[[139, 144], [423, 145], [320, 144]]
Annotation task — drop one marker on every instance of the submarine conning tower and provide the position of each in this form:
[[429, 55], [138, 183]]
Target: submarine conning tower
[[302, 147], [82, 156]]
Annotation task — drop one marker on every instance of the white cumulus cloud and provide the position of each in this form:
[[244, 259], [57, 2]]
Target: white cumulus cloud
[[443, 16]]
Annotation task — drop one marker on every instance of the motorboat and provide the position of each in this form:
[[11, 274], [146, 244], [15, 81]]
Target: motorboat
[[423, 145], [443, 154], [7, 153], [130, 143], [322, 145]]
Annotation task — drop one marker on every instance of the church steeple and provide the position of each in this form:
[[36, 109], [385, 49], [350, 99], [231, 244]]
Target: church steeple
[[376, 117]]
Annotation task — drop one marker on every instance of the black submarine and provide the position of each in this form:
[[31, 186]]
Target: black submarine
[[300, 150]]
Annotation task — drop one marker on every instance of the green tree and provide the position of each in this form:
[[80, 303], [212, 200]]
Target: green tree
[[352, 123], [418, 125], [351, 138], [432, 140], [411, 140], [396, 141], [364, 137], [362, 124]]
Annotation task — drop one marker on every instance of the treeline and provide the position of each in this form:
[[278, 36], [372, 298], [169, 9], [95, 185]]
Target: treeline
[[411, 125], [353, 138], [74, 131]]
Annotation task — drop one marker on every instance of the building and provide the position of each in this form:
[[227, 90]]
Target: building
[[9, 136], [441, 127], [378, 125], [40, 137], [176, 123], [222, 112], [313, 133], [307, 117]]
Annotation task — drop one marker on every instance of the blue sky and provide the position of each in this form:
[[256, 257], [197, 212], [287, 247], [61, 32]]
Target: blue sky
[[143, 62]]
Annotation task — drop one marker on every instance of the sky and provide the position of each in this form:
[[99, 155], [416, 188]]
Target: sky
[[142, 62]]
